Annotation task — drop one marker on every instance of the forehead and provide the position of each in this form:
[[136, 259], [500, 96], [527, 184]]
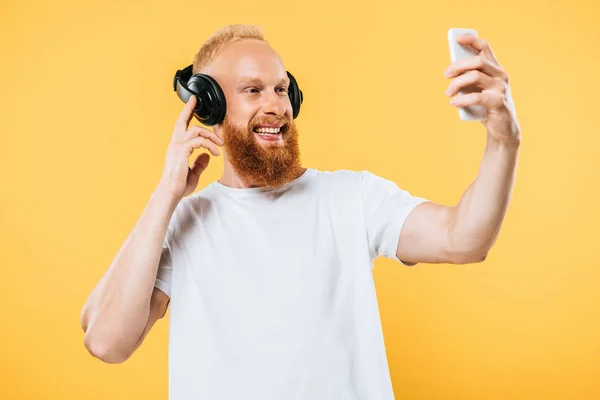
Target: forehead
[[244, 59]]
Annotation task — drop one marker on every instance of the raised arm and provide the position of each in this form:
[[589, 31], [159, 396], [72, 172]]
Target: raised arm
[[124, 305], [466, 233], [118, 310]]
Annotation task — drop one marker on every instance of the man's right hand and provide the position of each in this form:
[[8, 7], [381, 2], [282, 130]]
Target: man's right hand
[[178, 178]]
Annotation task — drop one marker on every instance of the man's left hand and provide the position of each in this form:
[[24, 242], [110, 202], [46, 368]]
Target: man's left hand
[[483, 71]]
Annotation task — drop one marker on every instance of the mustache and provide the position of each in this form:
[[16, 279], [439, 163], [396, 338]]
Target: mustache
[[265, 121]]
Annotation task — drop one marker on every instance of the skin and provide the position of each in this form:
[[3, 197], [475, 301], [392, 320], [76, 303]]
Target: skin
[[484, 71], [248, 160], [465, 233], [432, 233], [118, 314]]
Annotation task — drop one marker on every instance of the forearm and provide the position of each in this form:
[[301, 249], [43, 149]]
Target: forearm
[[117, 310], [477, 218]]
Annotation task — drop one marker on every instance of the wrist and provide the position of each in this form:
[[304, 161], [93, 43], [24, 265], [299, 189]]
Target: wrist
[[166, 193], [503, 142]]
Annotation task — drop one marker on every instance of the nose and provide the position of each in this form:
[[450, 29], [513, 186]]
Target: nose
[[275, 104]]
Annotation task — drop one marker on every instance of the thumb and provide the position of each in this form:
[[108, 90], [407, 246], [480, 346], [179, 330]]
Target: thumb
[[200, 163]]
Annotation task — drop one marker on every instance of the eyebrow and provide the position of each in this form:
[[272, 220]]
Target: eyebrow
[[255, 80]]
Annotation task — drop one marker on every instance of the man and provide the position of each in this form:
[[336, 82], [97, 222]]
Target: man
[[268, 270]]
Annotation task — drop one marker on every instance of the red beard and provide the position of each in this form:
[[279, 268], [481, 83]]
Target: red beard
[[268, 165]]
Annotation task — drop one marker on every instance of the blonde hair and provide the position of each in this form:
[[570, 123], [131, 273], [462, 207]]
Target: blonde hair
[[221, 38]]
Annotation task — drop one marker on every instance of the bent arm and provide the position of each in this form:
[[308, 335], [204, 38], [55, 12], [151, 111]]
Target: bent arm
[[118, 310], [465, 233], [476, 221]]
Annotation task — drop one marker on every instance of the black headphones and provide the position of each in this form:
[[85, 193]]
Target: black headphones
[[210, 100]]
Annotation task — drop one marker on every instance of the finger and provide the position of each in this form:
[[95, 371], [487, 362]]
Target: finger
[[185, 116], [479, 44], [475, 63], [199, 142], [471, 78], [489, 100], [200, 163], [196, 131]]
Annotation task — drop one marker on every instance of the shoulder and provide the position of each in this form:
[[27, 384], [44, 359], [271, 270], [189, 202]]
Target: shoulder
[[191, 206], [336, 183], [339, 176], [363, 181]]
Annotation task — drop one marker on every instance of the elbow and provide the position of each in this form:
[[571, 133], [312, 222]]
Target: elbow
[[104, 351], [481, 257], [466, 252], [471, 257]]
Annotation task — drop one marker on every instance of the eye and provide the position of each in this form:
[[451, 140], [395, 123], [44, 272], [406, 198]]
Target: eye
[[251, 90], [282, 89]]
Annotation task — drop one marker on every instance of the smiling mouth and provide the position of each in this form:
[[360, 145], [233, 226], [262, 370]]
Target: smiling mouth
[[272, 134]]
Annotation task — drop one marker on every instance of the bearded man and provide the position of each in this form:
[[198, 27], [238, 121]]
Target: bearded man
[[268, 270]]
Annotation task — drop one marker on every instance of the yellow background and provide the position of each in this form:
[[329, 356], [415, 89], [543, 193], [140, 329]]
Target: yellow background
[[88, 110]]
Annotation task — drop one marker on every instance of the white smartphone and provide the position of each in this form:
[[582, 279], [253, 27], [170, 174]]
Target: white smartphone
[[458, 52]]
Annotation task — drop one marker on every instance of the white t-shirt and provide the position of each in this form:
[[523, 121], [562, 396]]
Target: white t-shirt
[[272, 292]]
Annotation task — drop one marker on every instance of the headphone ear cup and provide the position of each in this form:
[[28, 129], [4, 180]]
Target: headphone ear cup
[[295, 94], [210, 110]]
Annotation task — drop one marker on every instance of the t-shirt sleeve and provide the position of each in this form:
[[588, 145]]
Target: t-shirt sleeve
[[386, 207], [165, 267]]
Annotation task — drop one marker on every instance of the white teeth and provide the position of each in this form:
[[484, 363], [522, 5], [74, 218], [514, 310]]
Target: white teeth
[[268, 130]]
